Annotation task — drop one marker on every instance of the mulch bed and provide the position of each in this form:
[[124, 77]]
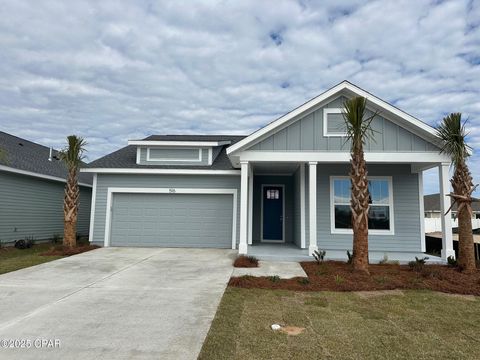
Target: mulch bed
[[243, 261], [61, 250], [339, 276]]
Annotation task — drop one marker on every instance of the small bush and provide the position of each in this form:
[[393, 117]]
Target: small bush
[[24, 243], [384, 261], [452, 262], [339, 280], [244, 261], [319, 255], [350, 257], [418, 264], [304, 281], [56, 239], [274, 278]]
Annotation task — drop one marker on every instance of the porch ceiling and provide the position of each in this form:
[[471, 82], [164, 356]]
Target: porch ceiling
[[274, 168]]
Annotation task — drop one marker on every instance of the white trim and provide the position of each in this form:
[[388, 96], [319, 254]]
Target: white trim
[[160, 171], [303, 242], [391, 211], [312, 207], [250, 205], [334, 156], [283, 215], [243, 243], [447, 235], [327, 111], [113, 190], [210, 156], [198, 159], [138, 155], [343, 86], [37, 175], [92, 208], [421, 204], [177, 143]]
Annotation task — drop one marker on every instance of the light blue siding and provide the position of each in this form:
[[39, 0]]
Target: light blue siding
[[170, 154], [33, 207], [104, 181], [306, 134]]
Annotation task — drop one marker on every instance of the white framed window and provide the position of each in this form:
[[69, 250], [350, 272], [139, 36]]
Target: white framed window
[[174, 154], [380, 214], [333, 122]]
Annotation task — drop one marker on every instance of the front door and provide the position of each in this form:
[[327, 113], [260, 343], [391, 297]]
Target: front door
[[272, 213]]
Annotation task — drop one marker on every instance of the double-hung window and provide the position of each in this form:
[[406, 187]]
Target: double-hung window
[[380, 214]]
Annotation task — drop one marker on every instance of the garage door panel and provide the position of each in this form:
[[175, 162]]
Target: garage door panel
[[173, 220]]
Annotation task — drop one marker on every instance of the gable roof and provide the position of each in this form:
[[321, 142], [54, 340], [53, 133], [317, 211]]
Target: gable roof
[[125, 158], [431, 203], [29, 158], [400, 117]]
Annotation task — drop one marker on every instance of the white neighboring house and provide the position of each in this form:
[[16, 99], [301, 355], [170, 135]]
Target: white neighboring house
[[432, 208]]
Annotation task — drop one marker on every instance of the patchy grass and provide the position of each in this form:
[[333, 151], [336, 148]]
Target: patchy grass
[[243, 261], [60, 250], [12, 259], [339, 276], [343, 325]]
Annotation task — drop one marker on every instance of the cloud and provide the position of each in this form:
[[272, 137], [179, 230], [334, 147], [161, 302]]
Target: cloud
[[116, 70]]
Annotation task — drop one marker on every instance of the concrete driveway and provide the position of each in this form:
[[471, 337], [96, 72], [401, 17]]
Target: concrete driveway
[[114, 303]]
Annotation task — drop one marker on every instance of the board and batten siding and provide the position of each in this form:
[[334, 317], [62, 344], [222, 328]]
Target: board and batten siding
[[306, 134], [406, 207], [171, 154], [104, 181], [33, 207]]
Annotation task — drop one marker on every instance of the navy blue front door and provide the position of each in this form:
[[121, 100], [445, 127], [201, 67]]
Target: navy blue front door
[[272, 198]]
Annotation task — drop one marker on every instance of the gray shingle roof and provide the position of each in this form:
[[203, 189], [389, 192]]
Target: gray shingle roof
[[432, 203], [26, 155], [126, 157]]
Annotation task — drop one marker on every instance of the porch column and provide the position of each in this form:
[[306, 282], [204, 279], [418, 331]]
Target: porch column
[[447, 238], [242, 246], [250, 204], [312, 205]]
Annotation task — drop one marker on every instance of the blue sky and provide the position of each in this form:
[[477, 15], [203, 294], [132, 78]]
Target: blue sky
[[116, 70]]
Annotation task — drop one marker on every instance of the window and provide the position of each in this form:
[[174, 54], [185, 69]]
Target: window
[[380, 214], [273, 194], [174, 154], [333, 122]]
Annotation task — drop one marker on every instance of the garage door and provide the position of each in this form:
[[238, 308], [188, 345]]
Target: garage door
[[172, 220]]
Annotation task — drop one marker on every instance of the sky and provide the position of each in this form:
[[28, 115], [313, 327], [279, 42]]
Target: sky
[[111, 71]]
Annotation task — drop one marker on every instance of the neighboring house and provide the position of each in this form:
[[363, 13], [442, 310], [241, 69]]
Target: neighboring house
[[432, 207], [284, 189], [32, 182]]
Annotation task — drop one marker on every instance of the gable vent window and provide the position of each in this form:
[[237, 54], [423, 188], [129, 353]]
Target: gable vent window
[[333, 123], [174, 154]]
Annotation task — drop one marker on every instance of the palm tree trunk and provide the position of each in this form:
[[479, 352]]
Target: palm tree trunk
[[70, 209], [359, 205], [466, 251], [70, 234]]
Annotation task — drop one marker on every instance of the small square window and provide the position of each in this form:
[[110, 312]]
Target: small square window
[[273, 194], [333, 122]]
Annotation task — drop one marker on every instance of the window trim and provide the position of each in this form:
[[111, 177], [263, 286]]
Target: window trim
[[149, 157], [326, 133], [334, 230]]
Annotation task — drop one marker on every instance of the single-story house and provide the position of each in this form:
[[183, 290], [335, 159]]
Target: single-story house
[[432, 207], [32, 183], [283, 189]]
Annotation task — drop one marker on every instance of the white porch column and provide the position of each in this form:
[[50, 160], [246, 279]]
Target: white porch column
[[312, 206], [422, 212], [303, 210], [447, 238], [242, 246], [250, 204]]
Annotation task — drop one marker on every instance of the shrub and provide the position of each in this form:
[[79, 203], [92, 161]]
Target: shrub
[[24, 243], [339, 279], [274, 278], [384, 261], [244, 261], [319, 255], [304, 281], [56, 239], [350, 257], [418, 264], [452, 262]]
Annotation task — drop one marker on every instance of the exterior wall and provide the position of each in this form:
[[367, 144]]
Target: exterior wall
[[104, 181], [171, 153], [306, 134], [406, 207], [33, 207]]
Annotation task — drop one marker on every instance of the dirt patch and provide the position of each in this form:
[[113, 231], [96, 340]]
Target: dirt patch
[[243, 261], [61, 250], [376, 293], [292, 330], [339, 276]]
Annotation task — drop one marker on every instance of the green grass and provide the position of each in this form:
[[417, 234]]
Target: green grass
[[12, 259], [417, 325]]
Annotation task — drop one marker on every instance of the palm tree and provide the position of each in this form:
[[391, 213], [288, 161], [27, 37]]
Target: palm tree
[[72, 156], [358, 129], [452, 132]]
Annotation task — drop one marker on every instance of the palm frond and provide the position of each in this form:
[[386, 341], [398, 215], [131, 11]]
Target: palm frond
[[357, 124], [72, 154], [453, 135]]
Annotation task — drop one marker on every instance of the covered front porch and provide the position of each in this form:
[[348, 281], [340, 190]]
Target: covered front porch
[[287, 211]]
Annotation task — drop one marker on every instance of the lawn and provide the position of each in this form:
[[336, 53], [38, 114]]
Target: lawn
[[12, 259], [410, 324]]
